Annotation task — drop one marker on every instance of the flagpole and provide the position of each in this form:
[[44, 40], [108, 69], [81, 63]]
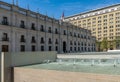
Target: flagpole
[[37, 10], [28, 6], [17, 2], [13, 2]]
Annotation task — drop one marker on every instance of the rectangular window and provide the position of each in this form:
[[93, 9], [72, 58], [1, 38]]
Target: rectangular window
[[64, 32], [56, 31], [33, 39], [42, 48], [22, 48], [5, 21], [70, 48], [33, 48], [5, 48], [74, 48], [50, 48], [56, 48], [78, 48], [33, 26], [50, 30], [22, 39], [22, 25], [5, 37], [42, 28]]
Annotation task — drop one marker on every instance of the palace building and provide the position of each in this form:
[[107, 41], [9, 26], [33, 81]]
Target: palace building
[[24, 30], [104, 23]]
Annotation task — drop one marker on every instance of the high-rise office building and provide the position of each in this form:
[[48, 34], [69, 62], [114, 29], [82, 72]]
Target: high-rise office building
[[104, 23]]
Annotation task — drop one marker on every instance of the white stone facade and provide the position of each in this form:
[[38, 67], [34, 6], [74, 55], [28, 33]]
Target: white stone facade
[[24, 30]]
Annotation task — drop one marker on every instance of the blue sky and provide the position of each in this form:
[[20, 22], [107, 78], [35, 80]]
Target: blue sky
[[70, 7]]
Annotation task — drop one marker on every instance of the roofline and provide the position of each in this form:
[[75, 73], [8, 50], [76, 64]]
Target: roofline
[[25, 9], [93, 10]]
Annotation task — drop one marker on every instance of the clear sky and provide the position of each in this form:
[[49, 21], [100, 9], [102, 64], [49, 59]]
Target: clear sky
[[70, 7]]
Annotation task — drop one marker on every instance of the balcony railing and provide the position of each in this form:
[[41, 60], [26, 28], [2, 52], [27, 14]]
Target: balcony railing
[[49, 31], [50, 42], [65, 34], [22, 40], [33, 28], [5, 23], [70, 34], [74, 35], [5, 39], [42, 30], [56, 32], [33, 41], [22, 26], [42, 42], [78, 36], [82, 37], [71, 43], [56, 42]]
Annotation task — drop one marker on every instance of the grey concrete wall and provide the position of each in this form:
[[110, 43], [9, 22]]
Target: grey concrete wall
[[24, 58], [32, 58]]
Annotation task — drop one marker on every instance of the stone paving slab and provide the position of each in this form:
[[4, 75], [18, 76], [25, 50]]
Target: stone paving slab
[[38, 75]]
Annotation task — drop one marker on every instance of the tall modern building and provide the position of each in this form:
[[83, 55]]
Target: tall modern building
[[104, 23], [24, 30]]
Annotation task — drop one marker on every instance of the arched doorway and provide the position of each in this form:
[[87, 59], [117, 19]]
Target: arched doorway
[[64, 46]]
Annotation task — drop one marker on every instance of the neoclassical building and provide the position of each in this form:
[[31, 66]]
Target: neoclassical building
[[24, 30]]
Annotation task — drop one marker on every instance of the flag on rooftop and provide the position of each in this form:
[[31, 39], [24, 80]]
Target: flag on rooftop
[[62, 17]]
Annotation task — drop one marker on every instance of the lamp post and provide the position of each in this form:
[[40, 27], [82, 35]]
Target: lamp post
[[2, 67]]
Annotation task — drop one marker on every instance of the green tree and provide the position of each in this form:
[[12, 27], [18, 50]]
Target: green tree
[[104, 45], [98, 45], [109, 46], [117, 42]]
